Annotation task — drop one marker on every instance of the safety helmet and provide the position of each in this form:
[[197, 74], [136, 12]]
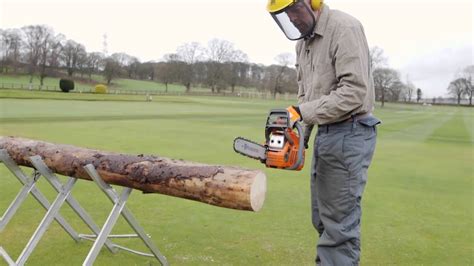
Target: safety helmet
[[294, 17]]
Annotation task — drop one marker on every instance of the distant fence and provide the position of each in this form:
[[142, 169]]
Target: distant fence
[[241, 94]]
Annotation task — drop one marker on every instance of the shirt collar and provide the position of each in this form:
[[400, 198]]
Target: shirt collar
[[322, 21]]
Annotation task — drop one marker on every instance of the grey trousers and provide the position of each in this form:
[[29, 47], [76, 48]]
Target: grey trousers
[[342, 155]]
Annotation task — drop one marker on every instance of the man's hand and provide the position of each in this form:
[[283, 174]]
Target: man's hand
[[295, 114]]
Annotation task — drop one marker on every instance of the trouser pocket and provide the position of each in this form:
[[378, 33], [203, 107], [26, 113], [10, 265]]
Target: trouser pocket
[[369, 121]]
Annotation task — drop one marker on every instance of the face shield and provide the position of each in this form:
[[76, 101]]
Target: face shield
[[296, 20]]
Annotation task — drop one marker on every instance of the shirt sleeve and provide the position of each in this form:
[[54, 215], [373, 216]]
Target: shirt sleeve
[[307, 128], [301, 91], [351, 63]]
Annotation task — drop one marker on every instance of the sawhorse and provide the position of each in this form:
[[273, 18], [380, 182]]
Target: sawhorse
[[100, 237]]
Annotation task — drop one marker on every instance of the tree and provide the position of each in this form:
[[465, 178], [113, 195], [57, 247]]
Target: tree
[[167, 71], [132, 65], [218, 52], [377, 58], [468, 74], [188, 54], [49, 54], [283, 61], [35, 37], [396, 91], [93, 62], [238, 74], [409, 90], [257, 74], [238, 69], [72, 52], [10, 48], [146, 70], [458, 88], [419, 93], [384, 79], [111, 70]]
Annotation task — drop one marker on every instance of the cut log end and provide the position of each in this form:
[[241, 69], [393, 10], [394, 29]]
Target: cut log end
[[258, 191]]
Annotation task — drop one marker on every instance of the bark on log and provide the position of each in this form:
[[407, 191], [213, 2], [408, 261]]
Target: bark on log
[[222, 186]]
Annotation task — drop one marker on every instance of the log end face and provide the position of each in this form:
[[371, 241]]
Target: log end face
[[258, 191]]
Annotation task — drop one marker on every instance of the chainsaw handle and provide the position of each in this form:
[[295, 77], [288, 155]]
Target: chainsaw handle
[[301, 147]]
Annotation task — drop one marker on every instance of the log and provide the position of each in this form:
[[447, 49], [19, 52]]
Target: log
[[223, 186]]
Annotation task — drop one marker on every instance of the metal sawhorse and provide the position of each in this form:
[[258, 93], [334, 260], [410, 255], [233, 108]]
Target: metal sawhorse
[[100, 237]]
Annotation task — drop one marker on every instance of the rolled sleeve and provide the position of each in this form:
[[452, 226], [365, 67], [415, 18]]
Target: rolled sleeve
[[351, 63]]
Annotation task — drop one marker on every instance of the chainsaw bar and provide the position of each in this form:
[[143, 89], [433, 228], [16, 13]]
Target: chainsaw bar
[[250, 149]]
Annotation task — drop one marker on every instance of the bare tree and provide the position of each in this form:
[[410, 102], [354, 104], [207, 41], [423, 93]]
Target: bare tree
[[49, 54], [188, 54], [72, 53], [167, 71], [283, 61], [468, 74], [146, 70], [93, 62], [377, 58], [257, 75], [384, 79], [10, 49], [132, 66], [218, 52], [458, 88], [238, 69], [58, 42], [35, 37], [111, 70], [409, 89]]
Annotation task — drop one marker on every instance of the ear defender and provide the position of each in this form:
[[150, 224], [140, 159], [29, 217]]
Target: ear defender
[[316, 4]]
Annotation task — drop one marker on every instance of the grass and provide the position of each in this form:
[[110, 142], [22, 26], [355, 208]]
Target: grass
[[417, 208]]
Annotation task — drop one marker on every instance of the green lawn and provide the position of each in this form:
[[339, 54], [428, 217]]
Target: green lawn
[[52, 83], [417, 210]]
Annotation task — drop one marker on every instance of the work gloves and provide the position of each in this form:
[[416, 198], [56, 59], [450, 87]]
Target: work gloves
[[295, 115]]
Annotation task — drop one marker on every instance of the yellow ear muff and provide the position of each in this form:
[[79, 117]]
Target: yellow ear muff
[[316, 4]]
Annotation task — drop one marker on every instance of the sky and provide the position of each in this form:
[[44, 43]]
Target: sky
[[428, 41]]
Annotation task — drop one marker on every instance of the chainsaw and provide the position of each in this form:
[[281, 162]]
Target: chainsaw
[[283, 147]]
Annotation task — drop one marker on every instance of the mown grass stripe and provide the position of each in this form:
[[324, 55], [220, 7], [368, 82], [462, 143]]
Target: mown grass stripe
[[454, 131]]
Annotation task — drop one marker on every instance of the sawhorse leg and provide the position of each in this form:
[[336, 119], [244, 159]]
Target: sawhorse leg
[[119, 208], [20, 175]]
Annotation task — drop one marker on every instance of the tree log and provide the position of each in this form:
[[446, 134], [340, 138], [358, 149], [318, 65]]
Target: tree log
[[222, 186]]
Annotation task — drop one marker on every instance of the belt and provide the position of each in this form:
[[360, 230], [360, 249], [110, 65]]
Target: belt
[[356, 117], [350, 119]]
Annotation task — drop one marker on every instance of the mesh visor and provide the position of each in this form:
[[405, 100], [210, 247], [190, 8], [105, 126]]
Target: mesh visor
[[296, 21]]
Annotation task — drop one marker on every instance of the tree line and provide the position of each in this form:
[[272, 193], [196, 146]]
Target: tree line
[[38, 51], [390, 87]]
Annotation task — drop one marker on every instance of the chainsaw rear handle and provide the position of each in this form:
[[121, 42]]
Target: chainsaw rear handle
[[301, 147]]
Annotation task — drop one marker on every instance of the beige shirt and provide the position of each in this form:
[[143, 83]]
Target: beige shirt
[[334, 77]]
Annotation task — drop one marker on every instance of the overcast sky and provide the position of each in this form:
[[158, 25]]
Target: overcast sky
[[428, 40]]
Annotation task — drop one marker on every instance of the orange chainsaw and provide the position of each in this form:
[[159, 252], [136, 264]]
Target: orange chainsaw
[[284, 142]]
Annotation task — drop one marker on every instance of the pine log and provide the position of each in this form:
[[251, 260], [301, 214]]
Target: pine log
[[223, 186]]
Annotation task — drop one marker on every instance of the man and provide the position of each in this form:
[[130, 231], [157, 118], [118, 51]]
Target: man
[[336, 93]]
